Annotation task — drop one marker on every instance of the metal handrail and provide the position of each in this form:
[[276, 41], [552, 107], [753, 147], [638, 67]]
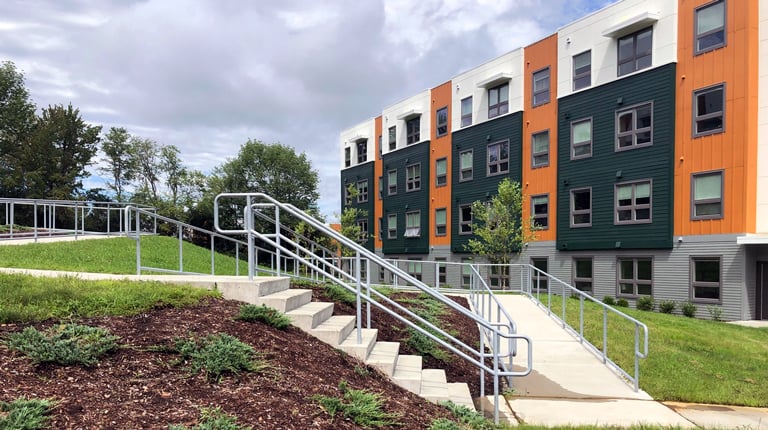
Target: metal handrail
[[602, 353], [371, 296]]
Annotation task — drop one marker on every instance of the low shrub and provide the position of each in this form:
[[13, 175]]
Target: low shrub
[[213, 419], [218, 354], [667, 306], [715, 312], [25, 414], [645, 303], [688, 309], [362, 407], [64, 344], [422, 344], [622, 303], [265, 314], [467, 419], [610, 301], [337, 293]]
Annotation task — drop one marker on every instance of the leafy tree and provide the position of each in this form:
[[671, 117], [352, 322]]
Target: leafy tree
[[17, 121], [146, 153], [120, 162], [171, 166], [62, 146], [499, 227]]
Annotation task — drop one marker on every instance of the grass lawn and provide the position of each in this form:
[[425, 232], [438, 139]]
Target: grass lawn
[[689, 360], [117, 255]]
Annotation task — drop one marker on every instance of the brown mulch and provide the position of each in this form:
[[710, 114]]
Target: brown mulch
[[139, 387]]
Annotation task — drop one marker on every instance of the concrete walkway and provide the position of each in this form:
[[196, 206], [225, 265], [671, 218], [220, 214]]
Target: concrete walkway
[[570, 385]]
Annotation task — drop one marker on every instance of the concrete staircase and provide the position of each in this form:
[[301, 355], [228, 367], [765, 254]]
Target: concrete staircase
[[339, 331]]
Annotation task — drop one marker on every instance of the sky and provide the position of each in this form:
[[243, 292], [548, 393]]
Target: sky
[[207, 75]]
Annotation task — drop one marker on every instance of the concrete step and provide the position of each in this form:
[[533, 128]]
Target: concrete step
[[311, 315], [286, 300], [360, 350], [383, 356], [335, 329], [249, 291], [459, 394], [434, 386], [408, 372]]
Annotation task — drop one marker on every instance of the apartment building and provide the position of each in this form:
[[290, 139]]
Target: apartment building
[[639, 134]]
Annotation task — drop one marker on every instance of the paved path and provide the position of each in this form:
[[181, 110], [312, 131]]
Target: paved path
[[570, 385]]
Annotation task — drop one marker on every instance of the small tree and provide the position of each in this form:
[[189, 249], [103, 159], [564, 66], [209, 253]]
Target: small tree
[[349, 226], [500, 229]]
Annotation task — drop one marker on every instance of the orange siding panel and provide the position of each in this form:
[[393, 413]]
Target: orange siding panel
[[440, 197], [378, 208]]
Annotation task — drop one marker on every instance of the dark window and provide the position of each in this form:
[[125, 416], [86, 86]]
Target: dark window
[[707, 195], [362, 151], [633, 203], [540, 211], [708, 110], [540, 149], [581, 207], [392, 226], [498, 158], [705, 279], [498, 101], [710, 26], [392, 182], [465, 219], [541, 87], [581, 139], [362, 191], [635, 51], [413, 128], [381, 187], [582, 70], [347, 156], [441, 270], [466, 111], [392, 138], [466, 272], [414, 269], [634, 127], [465, 165], [363, 225], [442, 121], [413, 177], [441, 221], [441, 172], [582, 274], [540, 280], [635, 277], [499, 276]]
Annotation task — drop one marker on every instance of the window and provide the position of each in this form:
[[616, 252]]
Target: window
[[710, 26], [362, 151], [705, 279], [581, 207], [498, 158], [707, 195], [465, 219], [540, 149], [441, 270], [413, 128], [582, 274], [441, 172], [581, 139], [708, 104], [466, 111], [442, 121], [582, 70], [498, 101], [413, 177], [540, 281], [414, 269], [381, 187], [635, 51], [635, 277], [541, 87], [413, 224], [441, 221], [499, 276], [392, 226], [466, 272], [392, 182], [634, 127], [362, 191], [392, 138], [465, 165], [381, 227], [633, 203], [347, 157], [363, 225], [540, 211]]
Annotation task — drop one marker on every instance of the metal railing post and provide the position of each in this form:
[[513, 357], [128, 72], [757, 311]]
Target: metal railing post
[[138, 243], [358, 303], [181, 251], [277, 237], [249, 228], [213, 255]]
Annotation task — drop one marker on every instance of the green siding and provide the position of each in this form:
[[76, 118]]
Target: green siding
[[352, 175], [404, 202], [482, 186], [607, 167]]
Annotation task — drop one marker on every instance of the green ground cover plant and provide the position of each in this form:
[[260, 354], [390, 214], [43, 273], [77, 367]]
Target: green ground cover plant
[[219, 354], [265, 314], [213, 419], [64, 344], [362, 407], [25, 414]]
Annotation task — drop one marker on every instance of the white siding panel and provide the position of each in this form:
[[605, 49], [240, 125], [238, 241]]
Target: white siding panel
[[417, 103], [365, 129], [762, 130]]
